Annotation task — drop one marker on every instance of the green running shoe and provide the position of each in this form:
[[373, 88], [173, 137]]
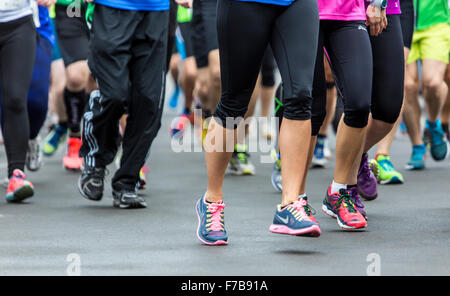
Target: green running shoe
[[53, 139], [386, 171]]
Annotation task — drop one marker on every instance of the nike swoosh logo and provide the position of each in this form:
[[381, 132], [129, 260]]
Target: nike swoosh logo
[[284, 220]]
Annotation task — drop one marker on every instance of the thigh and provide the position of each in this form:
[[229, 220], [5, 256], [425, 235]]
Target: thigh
[[388, 71], [350, 52], [294, 44], [241, 23], [73, 35], [147, 65], [436, 43], [17, 56], [110, 49]]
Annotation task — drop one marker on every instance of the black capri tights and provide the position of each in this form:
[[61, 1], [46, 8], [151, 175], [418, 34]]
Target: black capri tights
[[245, 29], [348, 47], [388, 72]]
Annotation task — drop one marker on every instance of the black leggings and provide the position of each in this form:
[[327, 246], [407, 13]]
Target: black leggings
[[17, 54], [348, 47], [245, 29], [268, 68], [388, 72]]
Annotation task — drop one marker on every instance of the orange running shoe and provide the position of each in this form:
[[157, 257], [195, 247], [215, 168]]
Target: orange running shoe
[[19, 188], [72, 161]]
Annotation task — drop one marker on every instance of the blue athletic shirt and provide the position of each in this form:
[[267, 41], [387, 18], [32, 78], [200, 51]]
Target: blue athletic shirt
[[45, 30], [275, 2], [142, 5]]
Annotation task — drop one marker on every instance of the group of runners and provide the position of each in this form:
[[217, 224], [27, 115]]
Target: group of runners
[[97, 70]]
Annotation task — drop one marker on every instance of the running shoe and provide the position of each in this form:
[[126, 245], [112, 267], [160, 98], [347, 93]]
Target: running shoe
[[340, 206], [356, 199], [142, 177], [434, 136], [91, 183], [33, 160], [367, 182], [417, 160], [19, 188], [295, 219], [173, 101], [319, 160], [128, 199], [53, 140], [240, 163], [276, 172], [386, 171], [179, 125], [72, 160], [211, 223]]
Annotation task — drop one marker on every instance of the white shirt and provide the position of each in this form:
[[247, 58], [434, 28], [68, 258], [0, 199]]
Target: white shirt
[[11, 10]]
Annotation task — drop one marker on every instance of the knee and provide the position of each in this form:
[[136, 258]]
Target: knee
[[15, 101], [432, 86], [298, 107], [357, 115], [215, 76], [411, 85], [190, 75], [76, 77]]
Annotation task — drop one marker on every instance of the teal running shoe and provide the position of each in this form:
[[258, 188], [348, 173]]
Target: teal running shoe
[[417, 161], [434, 136], [53, 140]]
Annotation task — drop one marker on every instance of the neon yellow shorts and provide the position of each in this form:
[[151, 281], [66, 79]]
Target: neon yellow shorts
[[432, 43]]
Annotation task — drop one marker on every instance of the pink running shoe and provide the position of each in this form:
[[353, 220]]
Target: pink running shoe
[[19, 188]]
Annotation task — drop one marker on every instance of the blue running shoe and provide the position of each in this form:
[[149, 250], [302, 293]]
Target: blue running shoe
[[173, 102], [295, 219], [435, 136], [276, 173], [211, 224], [417, 161], [319, 160], [53, 139]]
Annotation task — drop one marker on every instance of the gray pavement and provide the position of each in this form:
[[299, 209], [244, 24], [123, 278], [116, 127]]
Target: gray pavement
[[409, 225]]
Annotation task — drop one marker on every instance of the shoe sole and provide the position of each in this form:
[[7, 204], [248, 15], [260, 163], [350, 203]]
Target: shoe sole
[[392, 181], [83, 194], [312, 231], [216, 243], [20, 194], [340, 223], [133, 205]]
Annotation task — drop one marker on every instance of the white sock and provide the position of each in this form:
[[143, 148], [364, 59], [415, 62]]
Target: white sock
[[302, 195], [335, 187]]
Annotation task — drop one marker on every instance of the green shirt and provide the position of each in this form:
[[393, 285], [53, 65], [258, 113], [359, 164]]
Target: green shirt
[[430, 12]]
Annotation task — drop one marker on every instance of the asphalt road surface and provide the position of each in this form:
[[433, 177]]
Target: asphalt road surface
[[408, 229]]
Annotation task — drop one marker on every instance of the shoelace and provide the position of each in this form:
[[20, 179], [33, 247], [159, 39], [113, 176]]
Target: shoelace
[[346, 201], [387, 165], [215, 217], [297, 208]]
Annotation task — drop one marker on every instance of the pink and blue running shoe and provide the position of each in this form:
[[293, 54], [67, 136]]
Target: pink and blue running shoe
[[211, 224], [295, 219]]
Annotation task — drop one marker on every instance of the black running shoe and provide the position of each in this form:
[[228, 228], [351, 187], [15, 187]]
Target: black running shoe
[[128, 199], [90, 183]]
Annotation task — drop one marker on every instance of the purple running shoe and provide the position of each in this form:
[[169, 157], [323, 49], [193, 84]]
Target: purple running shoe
[[367, 182]]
